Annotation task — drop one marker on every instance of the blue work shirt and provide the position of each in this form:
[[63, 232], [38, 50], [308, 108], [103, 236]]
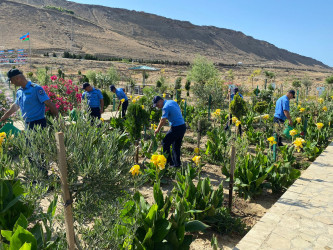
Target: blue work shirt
[[232, 96], [281, 104], [172, 112], [121, 94], [93, 97], [31, 101]]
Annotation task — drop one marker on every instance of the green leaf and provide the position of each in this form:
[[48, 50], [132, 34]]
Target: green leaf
[[7, 234], [37, 231], [195, 226], [21, 221], [158, 195], [151, 215], [162, 228], [10, 204], [26, 246], [20, 237], [53, 206], [148, 236], [17, 188]]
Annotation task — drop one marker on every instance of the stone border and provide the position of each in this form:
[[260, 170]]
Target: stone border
[[303, 216]]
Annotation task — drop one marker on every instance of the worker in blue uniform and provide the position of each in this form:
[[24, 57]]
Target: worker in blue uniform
[[30, 99], [171, 112]]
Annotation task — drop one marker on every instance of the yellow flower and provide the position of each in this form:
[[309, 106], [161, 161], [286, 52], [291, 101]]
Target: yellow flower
[[266, 117], [271, 140], [301, 110], [176, 100], [299, 106], [143, 106], [298, 119], [234, 119], [332, 97], [134, 100], [159, 161], [196, 160], [102, 119], [320, 100], [196, 151], [164, 95], [130, 97], [324, 108], [122, 100], [238, 122], [3, 134], [183, 101], [319, 125], [135, 170], [293, 132], [218, 111], [299, 143], [153, 126]]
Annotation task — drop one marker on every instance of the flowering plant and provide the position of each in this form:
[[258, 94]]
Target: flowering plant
[[63, 93]]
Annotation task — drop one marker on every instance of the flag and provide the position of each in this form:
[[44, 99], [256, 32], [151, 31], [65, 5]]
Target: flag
[[25, 37]]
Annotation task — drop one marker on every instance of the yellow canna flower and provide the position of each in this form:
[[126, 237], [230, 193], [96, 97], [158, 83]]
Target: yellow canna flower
[[143, 106], [164, 95], [298, 119], [301, 110], [325, 108], [130, 97], [196, 160], [234, 119], [196, 151], [320, 100], [293, 132], [3, 134], [299, 143], [238, 122], [135, 170], [319, 125], [266, 117], [159, 161], [332, 97], [153, 126], [134, 101], [271, 140], [102, 119], [218, 111], [176, 100], [183, 101]]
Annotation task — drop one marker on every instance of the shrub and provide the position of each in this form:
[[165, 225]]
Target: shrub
[[106, 98], [136, 118], [238, 107]]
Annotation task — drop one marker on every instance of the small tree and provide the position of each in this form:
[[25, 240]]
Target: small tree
[[296, 84], [136, 118], [113, 75], [307, 84], [187, 87], [329, 80], [91, 75], [238, 107], [202, 70]]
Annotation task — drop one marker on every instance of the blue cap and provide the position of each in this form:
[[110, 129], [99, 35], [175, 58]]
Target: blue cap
[[86, 84], [112, 87], [156, 99], [13, 72]]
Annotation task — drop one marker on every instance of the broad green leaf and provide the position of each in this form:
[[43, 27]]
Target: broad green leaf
[[10, 204], [26, 246], [7, 234], [53, 206], [158, 196], [21, 221], [17, 188], [148, 236], [151, 215], [37, 231], [162, 228], [195, 226], [20, 237]]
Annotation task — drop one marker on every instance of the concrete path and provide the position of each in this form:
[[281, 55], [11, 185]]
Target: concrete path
[[303, 217]]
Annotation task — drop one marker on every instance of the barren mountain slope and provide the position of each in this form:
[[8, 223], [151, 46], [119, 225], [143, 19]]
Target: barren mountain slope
[[119, 32]]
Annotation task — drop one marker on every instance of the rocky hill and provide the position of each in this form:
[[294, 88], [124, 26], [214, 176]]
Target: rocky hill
[[105, 31]]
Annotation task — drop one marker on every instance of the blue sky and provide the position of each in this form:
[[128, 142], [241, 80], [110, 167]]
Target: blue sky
[[304, 27]]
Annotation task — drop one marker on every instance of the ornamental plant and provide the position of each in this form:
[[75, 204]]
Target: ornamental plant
[[4, 103], [238, 107], [136, 119]]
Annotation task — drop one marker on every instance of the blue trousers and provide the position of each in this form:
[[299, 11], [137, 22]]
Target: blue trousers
[[31, 125], [174, 137], [95, 112]]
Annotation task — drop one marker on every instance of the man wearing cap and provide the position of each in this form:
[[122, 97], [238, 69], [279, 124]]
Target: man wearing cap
[[120, 95], [282, 111], [94, 99], [174, 137], [31, 99]]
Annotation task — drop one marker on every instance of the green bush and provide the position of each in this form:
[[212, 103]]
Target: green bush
[[136, 119], [106, 98], [238, 107]]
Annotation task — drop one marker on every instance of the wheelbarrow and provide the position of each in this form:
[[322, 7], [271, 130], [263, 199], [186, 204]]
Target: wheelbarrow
[[9, 128]]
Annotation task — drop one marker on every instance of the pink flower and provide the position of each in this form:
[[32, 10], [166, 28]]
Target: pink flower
[[54, 77]]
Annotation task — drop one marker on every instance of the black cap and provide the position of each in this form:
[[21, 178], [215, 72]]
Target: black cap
[[86, 84], [112, 87], [156, 99], [13, 72], [235, 90], [292, 92]]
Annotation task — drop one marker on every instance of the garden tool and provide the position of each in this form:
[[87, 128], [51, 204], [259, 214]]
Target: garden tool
[[10, 128]]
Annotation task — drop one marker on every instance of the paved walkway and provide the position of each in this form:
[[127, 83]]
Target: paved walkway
[[303, 217]]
